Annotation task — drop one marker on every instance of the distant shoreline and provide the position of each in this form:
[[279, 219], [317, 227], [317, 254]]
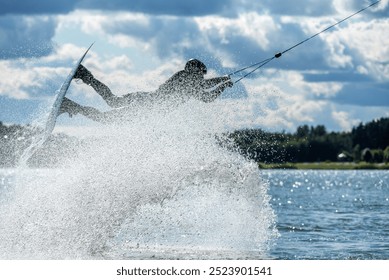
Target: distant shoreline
[[326, 166]]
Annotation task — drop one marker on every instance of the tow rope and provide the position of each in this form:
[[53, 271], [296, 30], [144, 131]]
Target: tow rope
[[262, 63]]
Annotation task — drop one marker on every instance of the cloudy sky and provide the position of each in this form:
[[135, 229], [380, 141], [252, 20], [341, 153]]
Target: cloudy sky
[[338, 79]]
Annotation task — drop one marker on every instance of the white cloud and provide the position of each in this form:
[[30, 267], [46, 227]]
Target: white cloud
[[269, 107], [36, 78], [344, 120], [15, 82], [65, 53], [382, 5], [251, 25], [343, 6], [30, 81], [370, 44], [25, 36]]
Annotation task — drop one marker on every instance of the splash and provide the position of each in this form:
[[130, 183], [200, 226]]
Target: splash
[[160, 186]]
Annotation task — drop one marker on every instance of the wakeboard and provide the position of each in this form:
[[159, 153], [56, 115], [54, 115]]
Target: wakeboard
[[53, 114], [52, 118]]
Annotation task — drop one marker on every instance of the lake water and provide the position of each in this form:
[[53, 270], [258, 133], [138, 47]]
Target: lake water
[[330, 214], [308, 215]]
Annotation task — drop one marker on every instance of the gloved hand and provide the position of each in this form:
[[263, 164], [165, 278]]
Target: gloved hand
[[84, 74]]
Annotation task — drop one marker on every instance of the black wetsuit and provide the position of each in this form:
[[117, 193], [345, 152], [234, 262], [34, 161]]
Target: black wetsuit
[[181, 87]]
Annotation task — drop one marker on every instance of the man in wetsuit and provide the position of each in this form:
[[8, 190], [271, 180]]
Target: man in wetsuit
[[182, 86]]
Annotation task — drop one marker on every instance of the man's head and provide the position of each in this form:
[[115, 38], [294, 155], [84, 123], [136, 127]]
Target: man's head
[[195, 66]]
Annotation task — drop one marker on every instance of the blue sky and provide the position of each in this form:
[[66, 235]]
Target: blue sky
[[338, 79]]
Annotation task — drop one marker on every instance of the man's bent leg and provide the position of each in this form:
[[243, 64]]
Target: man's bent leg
[[93, 114]]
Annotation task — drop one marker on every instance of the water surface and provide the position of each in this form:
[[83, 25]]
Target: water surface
[[330, 214]]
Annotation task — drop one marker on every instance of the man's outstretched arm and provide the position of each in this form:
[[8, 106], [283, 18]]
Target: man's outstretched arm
[[102, 89], [211, 95], [210, 83]]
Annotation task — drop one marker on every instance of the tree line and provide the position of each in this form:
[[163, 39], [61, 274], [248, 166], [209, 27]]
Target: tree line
[[366, 142]]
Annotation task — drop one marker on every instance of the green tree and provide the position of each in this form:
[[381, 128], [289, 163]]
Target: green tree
[[378, 155], [374, 134], [318, 131], [357, 152], [367, 155], [386, 154], [302, 131]]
